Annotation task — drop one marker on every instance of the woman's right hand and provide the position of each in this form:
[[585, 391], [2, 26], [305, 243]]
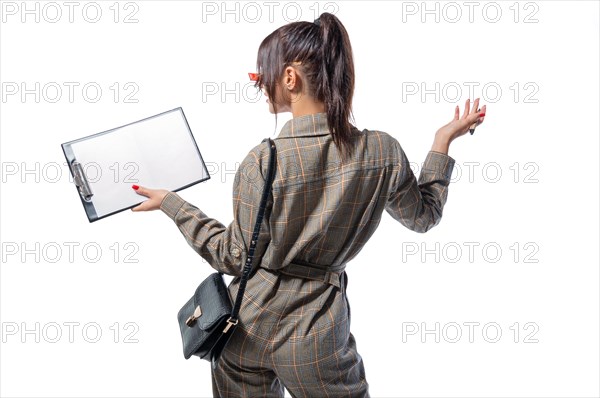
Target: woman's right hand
[[459, 126]]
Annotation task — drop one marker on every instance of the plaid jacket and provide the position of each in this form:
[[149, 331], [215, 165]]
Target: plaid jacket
[[321, 210]]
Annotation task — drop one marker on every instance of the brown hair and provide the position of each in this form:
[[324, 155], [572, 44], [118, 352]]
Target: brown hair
[[324, 50]]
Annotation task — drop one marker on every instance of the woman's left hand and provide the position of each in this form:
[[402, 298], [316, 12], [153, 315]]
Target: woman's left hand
[[460, 126], [156, 197]]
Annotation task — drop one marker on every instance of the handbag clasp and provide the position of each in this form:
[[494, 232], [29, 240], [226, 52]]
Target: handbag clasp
[[192, 318]]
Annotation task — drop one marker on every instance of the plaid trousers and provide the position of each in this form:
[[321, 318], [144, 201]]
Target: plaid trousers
[[293, 332]]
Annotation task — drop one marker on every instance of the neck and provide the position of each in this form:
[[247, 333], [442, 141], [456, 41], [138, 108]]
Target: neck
[[307, 107]]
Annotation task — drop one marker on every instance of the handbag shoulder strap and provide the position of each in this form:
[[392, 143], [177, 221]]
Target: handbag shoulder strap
[[259, 218]]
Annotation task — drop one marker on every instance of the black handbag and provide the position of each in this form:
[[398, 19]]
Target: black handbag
[[208, 318]]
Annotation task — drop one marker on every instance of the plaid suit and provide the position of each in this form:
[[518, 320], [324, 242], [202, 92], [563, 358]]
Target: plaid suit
[[294, 328]]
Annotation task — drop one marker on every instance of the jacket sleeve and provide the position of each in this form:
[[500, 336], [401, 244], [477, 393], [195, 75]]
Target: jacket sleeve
[[224, 248], [418, 205]]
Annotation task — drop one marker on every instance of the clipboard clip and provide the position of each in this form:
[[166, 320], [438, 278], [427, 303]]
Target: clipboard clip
[[81, 181]]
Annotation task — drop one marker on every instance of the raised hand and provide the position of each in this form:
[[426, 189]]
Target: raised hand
[[458, 126]]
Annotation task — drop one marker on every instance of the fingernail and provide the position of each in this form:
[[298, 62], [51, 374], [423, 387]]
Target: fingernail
[[481, 114], [135, 187]]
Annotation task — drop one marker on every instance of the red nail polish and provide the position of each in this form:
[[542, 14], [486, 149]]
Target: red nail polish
[[135, 187], [481, 114]]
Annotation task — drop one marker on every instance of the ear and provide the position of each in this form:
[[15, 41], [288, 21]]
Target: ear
[[290, 78]]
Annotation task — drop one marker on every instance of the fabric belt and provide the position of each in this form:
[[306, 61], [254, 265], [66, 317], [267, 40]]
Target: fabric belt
[[304, 270]]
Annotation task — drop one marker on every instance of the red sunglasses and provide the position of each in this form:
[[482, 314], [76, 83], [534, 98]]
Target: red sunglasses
[[255, 76]]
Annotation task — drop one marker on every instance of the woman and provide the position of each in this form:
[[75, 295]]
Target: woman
[[331, 186]]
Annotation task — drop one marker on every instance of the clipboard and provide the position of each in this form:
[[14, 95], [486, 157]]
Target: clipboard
[[158, 152]]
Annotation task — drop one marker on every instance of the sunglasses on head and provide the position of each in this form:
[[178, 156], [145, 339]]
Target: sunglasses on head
[[255, 76]]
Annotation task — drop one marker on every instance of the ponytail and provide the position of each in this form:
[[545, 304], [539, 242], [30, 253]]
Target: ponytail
[[335, 83]]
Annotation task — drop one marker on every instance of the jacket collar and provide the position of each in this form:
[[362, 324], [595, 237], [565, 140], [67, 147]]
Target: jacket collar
[[305, 126]]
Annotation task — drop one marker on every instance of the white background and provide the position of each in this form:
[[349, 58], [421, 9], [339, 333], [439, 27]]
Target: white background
[[543, 139]]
